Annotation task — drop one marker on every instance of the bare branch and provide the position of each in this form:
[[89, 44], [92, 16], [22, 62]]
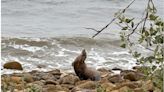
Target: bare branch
[[99, 31]]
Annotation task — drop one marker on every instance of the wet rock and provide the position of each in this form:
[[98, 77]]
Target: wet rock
[[88, 85], [115, 78], [69, 79], [116, 68], [13, 65]]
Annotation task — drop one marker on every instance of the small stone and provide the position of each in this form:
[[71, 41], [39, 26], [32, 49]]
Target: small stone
[[13, 65]]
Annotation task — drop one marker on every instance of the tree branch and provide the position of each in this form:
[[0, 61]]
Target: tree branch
[[99, 31]]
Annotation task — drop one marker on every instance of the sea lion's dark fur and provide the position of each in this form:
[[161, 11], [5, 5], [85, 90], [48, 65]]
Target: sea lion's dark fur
[[81, 69]]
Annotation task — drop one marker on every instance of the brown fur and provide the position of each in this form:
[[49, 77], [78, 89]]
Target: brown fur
[[81, 69]]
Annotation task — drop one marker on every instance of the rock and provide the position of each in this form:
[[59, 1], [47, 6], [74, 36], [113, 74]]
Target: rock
[[13, 65], [41, 82], [69, 79], [132, 75], [51, 82], [69, 86], [115, 78], [49, 77], [88, 85], [131, 85], [125, 89], [108, 86], [16, 79], [116, 68], [148, 86], [103, 70], [19, 86], [33, 88], [138, 90], [54, 88], [55, 72], [28, 77], [76, 89]]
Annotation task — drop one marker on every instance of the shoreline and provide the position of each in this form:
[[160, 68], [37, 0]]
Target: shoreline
[[59, 81]]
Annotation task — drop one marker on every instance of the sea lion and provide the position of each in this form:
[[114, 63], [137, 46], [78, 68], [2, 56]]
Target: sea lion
[[81, 69]]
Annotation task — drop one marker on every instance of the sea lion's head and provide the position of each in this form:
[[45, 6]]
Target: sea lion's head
[[81, 58]]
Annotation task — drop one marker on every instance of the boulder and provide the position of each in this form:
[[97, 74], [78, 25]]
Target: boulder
[[13, 65]]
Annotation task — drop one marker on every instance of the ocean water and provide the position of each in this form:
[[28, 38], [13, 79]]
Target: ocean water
[[52, 32]]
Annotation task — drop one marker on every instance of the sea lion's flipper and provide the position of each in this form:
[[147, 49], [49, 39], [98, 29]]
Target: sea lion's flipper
[[83, 55]]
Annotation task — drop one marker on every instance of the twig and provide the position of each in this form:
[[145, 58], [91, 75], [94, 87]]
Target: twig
[[99, 31], [147, 13], [92, 29]]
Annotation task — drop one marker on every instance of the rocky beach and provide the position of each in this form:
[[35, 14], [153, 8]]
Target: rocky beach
[[112, 80]]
